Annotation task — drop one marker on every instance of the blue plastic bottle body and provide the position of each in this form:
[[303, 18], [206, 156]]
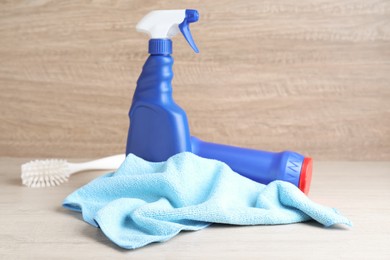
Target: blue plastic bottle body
[[158, 126], [260, 166]]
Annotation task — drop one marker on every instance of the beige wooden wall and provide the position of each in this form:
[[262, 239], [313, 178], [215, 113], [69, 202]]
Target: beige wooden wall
[[310, 76]]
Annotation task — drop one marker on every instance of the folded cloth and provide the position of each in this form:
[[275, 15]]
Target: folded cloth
[[145, 202]]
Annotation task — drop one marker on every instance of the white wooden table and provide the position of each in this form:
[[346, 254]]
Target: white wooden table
[[35, 226]]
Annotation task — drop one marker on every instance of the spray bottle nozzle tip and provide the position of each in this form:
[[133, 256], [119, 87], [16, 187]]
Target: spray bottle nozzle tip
[[192, 15]]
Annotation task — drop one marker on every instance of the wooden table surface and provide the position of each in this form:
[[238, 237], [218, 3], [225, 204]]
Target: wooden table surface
[[35, 226]]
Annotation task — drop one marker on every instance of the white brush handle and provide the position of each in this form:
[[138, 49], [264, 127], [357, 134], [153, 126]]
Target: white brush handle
[[107, 163]]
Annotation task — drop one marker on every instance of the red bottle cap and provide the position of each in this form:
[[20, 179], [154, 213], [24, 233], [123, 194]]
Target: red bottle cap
[[305, 177]]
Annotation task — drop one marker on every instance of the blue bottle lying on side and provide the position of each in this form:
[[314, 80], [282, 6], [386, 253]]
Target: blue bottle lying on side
[[261, 166], [159, 127]]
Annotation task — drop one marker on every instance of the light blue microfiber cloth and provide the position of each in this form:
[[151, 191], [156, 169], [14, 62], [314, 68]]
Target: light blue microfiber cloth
[[144, 202]]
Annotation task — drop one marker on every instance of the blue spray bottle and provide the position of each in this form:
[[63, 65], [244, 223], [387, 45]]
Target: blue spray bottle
[[158, 126], [260, 166]]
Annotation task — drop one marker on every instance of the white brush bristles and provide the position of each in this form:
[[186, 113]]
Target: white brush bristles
[[45, 173]]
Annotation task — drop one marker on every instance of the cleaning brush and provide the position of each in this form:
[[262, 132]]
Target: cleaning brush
[[53, 172]]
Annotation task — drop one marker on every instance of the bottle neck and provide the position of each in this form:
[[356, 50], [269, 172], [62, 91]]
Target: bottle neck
[[154, 83], [160, 46]]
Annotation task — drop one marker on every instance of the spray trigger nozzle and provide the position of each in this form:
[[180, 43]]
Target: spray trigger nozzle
[[191, 16], [165, 24]]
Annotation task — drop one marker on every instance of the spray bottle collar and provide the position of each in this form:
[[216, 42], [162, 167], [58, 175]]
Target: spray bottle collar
[[160, 46]]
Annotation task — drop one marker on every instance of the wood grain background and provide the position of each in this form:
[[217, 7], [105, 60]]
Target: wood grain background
[[309, 76]]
